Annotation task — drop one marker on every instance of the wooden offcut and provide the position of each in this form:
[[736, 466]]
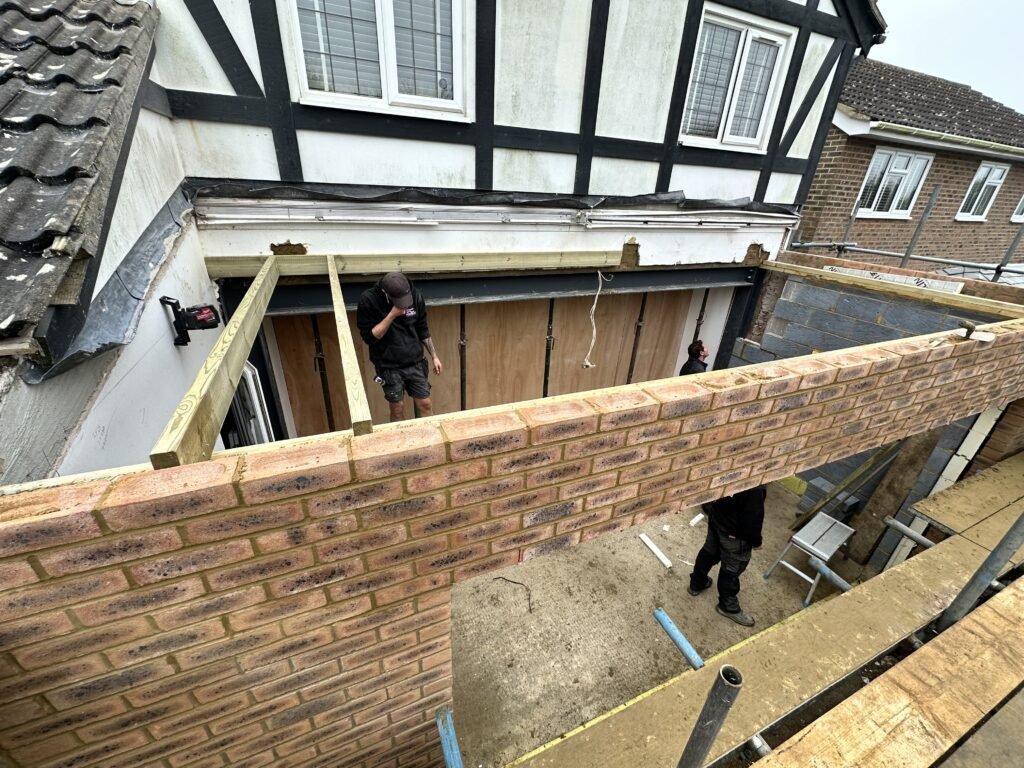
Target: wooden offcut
[[358, 408], [191, 434], [919, 709], [901, 290]]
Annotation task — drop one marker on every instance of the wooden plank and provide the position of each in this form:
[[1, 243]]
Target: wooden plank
[[990, 531], [972, 500], [358, 407], [379, 411], [662, 335], [219, 266], [298, 360], [505, 350], [192, 432], [782, 667], [615, 317], [916, 711], [913, 293]]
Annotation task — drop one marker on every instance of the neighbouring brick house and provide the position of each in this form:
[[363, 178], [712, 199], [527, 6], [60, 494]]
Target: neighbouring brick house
[[896, 135]]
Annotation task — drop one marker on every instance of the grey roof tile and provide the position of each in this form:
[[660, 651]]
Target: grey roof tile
[[69, 73], [892, 94]]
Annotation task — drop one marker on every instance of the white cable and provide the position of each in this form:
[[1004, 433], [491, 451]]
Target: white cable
[[593, 323]]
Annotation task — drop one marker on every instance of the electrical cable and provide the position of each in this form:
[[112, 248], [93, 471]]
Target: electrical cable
[[601, 279]]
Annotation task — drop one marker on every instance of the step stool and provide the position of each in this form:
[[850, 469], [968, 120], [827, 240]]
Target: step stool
[[821, 537]]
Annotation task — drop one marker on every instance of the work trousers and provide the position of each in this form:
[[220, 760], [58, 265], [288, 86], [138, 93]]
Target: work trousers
[[733, 554]]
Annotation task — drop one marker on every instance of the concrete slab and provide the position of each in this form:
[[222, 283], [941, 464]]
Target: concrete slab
[[591, 643]]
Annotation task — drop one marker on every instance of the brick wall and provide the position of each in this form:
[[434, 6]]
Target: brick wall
[[289, 605], [838, 180], [808, 317]]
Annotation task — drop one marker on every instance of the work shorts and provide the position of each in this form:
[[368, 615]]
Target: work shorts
[[412, 379]]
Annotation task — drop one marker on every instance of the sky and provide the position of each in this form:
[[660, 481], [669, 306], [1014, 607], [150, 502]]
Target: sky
[[976, 42]]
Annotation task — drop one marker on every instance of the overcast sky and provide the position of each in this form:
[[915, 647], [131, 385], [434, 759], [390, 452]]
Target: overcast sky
[[977, 42]]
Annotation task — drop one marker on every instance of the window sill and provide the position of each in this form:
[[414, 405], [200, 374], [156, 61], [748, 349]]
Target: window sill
[[692, 141], [969, 219], [359, 104], [885, 216], [1017, 219]]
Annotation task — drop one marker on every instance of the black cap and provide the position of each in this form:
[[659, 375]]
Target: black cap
[[396, 286]]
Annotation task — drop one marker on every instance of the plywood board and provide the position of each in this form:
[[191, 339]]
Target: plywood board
[[505, 350], [916, 711], [662, 335], [295, 346], [990, 531], [781, 667], [972, 500], [445, 390], [334, 365], [615, 318]]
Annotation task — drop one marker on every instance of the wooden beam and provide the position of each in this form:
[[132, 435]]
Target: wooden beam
[[901, 290], [191, 433], [412, 263], [358, 406]]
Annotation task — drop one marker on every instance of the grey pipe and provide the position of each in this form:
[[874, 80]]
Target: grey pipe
[[829, 574], [909, 532], [983, 577], [760, 745], [723, 695]]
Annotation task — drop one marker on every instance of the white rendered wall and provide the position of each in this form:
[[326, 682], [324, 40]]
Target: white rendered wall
[[704, 183], [610, 176], [540, 58], [782, 188], [348, 159], [224, 150], [818, 46], [640, 54], [183, 58], [143, 387], [716, 313], [520, 170], [237, 16]]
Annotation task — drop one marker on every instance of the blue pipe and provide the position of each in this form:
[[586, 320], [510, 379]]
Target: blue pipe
[[677, 637], [830, 575], [449, 744]]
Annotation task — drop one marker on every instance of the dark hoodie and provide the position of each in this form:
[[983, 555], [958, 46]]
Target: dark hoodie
[[402, 345], [740, 515]]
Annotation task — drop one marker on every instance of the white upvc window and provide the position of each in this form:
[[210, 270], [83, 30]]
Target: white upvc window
[[734, 81], [892, 184], [982, 192], [1018, 212], [397, 56]]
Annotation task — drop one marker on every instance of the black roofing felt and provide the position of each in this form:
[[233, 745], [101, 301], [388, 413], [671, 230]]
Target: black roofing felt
[[892, 94], [69, 74]]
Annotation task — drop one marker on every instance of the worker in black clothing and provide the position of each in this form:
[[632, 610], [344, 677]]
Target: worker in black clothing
[[392, 319], [697, 354], [734, 529]]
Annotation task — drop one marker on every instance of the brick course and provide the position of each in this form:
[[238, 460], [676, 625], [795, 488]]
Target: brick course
[[321, 637]]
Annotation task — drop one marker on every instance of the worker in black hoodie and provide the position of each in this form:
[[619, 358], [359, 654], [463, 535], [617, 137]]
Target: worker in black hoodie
[[392, 320], [734, 529]]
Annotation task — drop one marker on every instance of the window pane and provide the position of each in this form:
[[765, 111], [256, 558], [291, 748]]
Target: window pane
[[709, 83], [987, 193], [911, 184], [1020, 208], [753, 92], [887, 194], [340, 38], [874, 179], [424, 47]]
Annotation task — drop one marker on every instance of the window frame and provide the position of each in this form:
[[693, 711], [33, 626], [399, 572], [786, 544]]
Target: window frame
[[460, 108], [871, 213], [972, 217], [750, 26], [1017, 217]]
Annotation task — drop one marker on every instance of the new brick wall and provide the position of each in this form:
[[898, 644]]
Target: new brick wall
[[289, 606], [838, 180]]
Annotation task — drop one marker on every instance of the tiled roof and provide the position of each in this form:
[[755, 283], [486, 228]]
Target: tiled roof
[[892, 94], [70, 71]]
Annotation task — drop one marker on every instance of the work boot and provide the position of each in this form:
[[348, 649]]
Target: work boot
[[739, 616], [694, 592]]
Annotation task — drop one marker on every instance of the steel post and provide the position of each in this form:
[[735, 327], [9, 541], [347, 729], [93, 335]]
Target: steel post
[[920, 226], [723, 695], [1009, 254], [983, 577]]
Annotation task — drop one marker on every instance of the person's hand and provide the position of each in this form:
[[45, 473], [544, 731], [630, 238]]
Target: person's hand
[[396, 312], [437, 365]]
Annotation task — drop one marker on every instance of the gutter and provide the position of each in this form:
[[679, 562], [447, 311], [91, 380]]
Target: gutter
[[948, 138]]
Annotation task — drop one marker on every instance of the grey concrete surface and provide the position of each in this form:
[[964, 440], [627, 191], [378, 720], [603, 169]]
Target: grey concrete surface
[[523, 677]]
